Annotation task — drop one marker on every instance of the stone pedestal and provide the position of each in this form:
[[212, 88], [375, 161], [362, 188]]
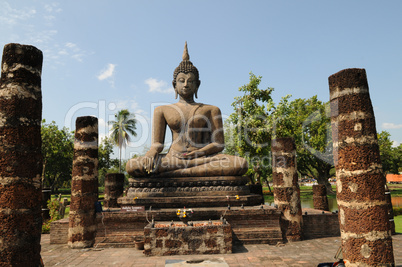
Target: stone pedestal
[[363, 210], [114, 185], [20, 155], [84, 185], [215, 191], [286, 187], [320, 200], [164, 239]]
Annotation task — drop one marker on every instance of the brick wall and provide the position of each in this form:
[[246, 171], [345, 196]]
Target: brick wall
[[248, 226], [59, 231], [318, 225], [202, 238]]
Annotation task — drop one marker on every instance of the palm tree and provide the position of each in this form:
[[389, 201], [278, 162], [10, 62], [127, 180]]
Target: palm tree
[[122, 128]]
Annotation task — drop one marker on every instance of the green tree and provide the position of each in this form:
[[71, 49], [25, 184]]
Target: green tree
[[257, 120], [57, 151], [308, 122], [391, 157], [248, 130], [106, 162], [115, 169], [122, 128]]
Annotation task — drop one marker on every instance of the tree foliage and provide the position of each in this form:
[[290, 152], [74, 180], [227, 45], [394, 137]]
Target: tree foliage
[[57, 151], [256, 120], [391, 157], [248, 130], [308, 122], [106, 162], [122, 128]]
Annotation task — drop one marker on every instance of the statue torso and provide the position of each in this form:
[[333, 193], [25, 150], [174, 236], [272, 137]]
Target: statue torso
[[191, 125]]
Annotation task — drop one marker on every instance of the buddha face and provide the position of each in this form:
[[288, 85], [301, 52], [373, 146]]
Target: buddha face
[[186, 84]]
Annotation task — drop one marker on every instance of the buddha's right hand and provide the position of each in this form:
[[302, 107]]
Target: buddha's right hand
[[149, 161]]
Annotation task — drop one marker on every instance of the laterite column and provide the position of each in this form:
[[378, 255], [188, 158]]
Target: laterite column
[[84, 185], [390, 210], [20, 156], [363, 214], [286, 187], [320, 200], [114, 185]]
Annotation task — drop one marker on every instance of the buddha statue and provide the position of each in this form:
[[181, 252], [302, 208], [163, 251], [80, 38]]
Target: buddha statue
[[197, 135]]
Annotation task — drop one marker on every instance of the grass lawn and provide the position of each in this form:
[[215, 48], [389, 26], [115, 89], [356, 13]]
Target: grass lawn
[[68, 196], [398, 224], [306, 192], [396, 190]]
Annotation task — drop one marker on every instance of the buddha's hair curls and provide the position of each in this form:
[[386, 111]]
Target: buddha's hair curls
[[186, 66]]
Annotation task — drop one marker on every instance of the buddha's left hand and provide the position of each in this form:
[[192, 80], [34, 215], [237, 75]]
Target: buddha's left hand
[[191, 155]]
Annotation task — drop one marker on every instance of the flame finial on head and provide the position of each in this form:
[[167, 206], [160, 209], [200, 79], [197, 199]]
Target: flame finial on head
[[186, 66], [186, 56]]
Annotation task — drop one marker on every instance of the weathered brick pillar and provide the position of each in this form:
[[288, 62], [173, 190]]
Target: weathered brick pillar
[[84, 185], [286, 187], [320, 200], [20, 156], [390, 210], [363, 215], [114, 185]]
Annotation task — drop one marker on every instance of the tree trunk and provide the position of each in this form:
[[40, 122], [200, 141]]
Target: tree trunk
[[120, 162], [324, 180], [269, 186], [43, 172]]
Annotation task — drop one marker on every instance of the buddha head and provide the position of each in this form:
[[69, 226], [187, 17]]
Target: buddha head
[[186, 67]]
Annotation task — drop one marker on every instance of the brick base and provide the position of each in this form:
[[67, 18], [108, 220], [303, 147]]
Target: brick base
[[202, 238], [317, 224], [251, 225]]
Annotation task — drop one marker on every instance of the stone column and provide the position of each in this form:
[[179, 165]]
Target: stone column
[[320, 200], [363, 215], [390, 210], [114, 185], [20, 156], [46, 196], [286, 187], [84, 185]]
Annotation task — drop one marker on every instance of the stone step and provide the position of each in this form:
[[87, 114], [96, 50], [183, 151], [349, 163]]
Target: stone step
[[257, 233], [120, 233], [114, 245], [259, 224], [269, 241]]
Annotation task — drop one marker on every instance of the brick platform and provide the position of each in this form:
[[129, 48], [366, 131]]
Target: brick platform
[[162, 239], [251, 225]]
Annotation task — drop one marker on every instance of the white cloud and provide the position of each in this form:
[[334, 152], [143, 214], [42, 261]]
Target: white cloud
[[52, 8], [390, 125], [71, 45], [48, 8], [158, 86], [395, 143], [108, 72], [78, 57], [33, 24], [63, 52], [49, 18], [73, 50], [131, 105], [11, 17], [104, 128]]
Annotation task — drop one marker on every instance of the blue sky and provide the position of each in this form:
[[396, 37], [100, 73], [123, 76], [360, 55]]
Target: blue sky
[[101, 56]]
